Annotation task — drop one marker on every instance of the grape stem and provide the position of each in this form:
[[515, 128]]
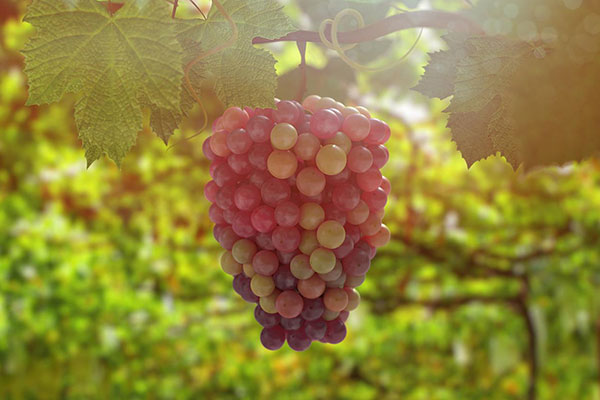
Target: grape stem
[[414, 19]]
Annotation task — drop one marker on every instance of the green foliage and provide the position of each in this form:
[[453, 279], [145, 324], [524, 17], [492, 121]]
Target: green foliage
[[526, 90], [110, 286], [123, 63], [117, 64], [242, 74]]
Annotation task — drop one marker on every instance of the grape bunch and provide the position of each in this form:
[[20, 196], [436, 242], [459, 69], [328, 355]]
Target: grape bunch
[[298, 201]]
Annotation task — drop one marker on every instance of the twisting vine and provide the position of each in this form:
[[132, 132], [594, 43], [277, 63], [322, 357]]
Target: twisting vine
[[341, 50], [188, 68]]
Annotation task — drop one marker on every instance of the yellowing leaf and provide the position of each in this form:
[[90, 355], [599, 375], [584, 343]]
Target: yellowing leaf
[[116, 64]]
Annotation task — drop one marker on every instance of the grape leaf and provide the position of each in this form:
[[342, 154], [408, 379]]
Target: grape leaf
[[242, 74], [477, 71], [116, 64], [521, 90]]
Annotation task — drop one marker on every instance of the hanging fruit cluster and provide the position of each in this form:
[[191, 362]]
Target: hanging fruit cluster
[[298, 202]]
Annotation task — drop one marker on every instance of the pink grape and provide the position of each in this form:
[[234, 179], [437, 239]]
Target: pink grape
[[324, 124], [298, 340], [207, 151], [240, 164], [371, 226], [370, 180], [247, 197], [215, 214], [225, 197], [340, 282], [310, 181], [336, 331], [287, 214], [313, 309], [272, 338], [234, 118], [310, 103], [239, 141], [263, 219], [316, 330], [242, 225], [263, 241], [286, 112], [285, 257], [381, 155], [216, 164], [265, 262], [307, 146], [339, 116], [259, 128], [210, 191], [229, 214], [333, 213], [218, 144], [335, 299], [291, 324], [339, 178], [312, 287], [359, 214], [259, 154], [356, 127], [353, 232], [381, 238], [344, 316], [386, 185], [250, 111], [345, 248], [274, 191], [363, 111], [258, 178], [346, 196], [354, 281], [360, 159], [357, 262], [282, 164], [265, 319], [286, 239], [379, 133], [289, 304], [376, 200], [284, 279], [243, 288], [224, 175]]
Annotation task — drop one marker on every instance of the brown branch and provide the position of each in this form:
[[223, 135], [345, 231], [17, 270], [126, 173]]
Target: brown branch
[[408, 20], [598, 347], [302, 67], [381, 306], [532, 355]]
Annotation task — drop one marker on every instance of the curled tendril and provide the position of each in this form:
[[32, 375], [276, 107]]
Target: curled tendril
[[341, 50], [188, 68]]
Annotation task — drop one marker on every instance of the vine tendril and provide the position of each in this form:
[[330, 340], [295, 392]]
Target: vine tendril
[[341, 50], [188, 68]]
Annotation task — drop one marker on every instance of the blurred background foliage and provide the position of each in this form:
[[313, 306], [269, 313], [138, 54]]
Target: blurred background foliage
[[110, 286]]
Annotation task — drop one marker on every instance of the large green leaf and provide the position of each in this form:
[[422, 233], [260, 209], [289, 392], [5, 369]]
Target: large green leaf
[[524, 89], [116, 64], [242, 74]]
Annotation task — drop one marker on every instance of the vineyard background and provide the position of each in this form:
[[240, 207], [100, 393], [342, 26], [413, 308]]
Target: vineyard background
[[110, 285]]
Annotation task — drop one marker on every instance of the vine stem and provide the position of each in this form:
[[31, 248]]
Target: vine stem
[[598, 347], [414, 19]]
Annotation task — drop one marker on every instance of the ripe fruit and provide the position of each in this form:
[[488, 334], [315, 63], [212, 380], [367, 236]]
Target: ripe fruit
[[297, 198]]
